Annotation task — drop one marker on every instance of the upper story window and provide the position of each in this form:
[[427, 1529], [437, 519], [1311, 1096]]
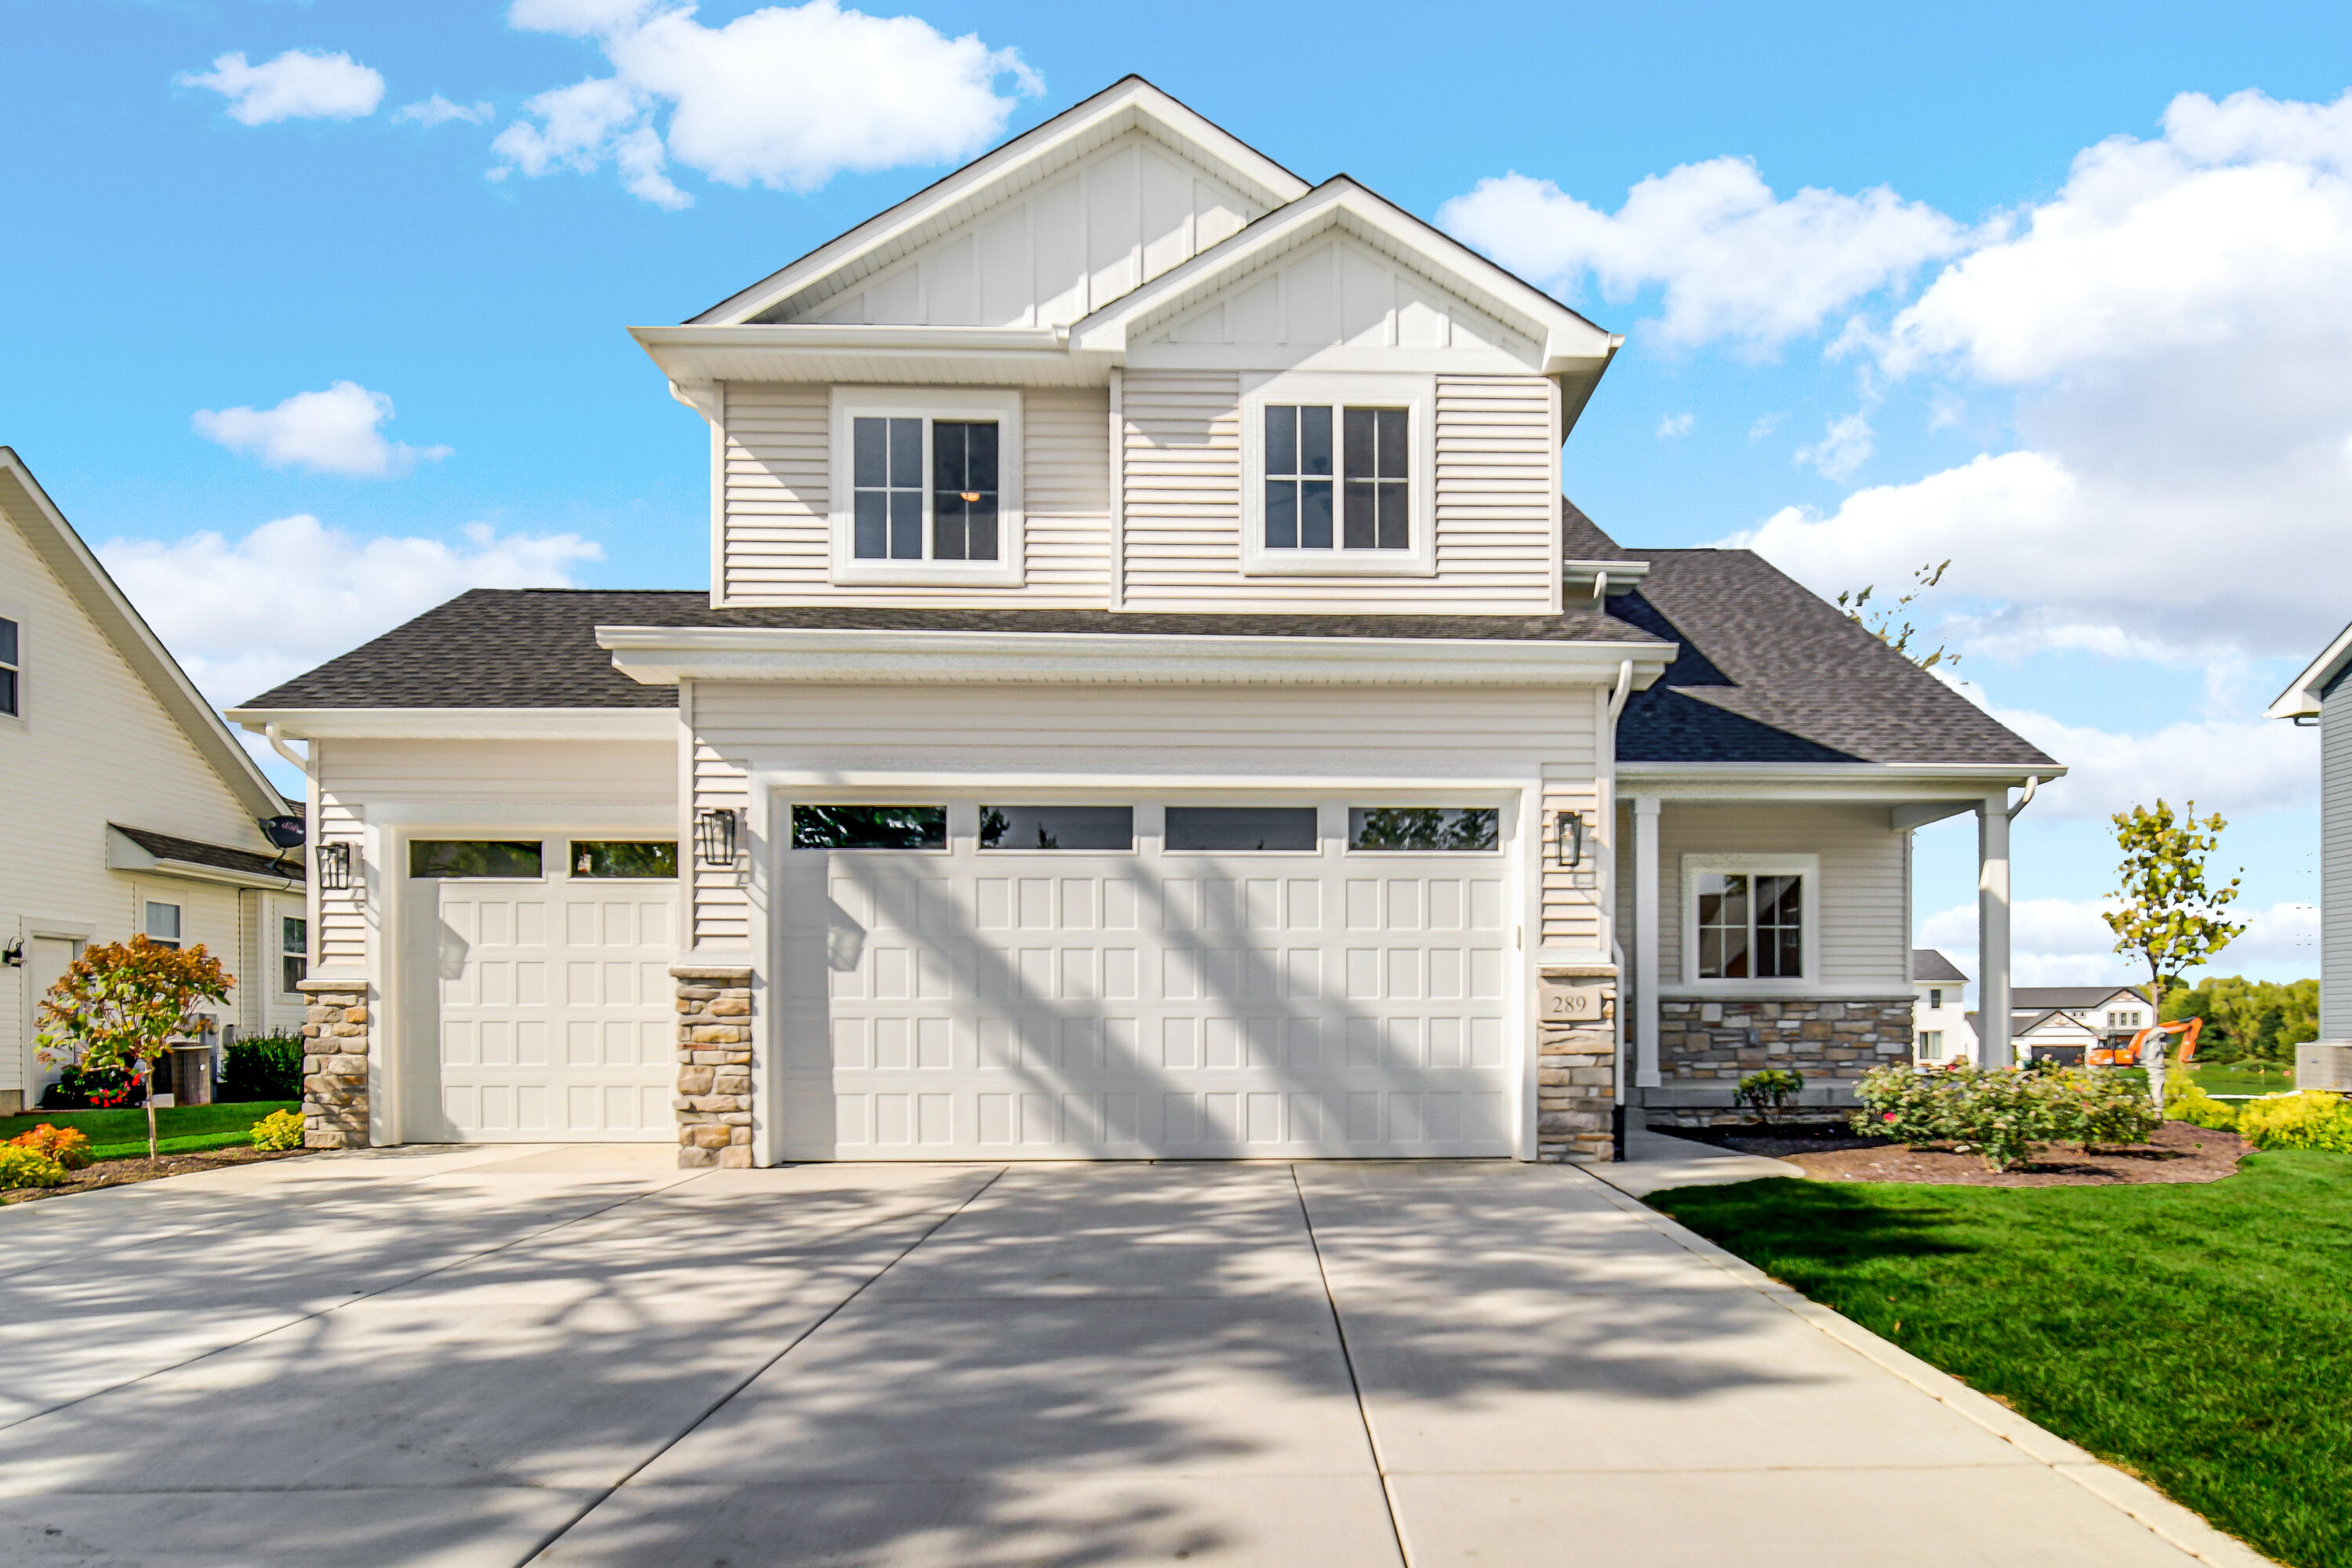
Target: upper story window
[[1935, 996], [12, 671], [926, 486], [1336, 475]]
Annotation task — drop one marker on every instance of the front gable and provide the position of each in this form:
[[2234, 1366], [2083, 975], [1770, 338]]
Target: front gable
[[1052, 251]]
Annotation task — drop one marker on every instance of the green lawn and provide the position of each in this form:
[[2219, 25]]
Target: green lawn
[[2243, 1078], [2193, 1334], [184, 1128]]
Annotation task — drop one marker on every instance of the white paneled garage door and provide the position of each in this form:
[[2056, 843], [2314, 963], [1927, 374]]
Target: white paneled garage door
[[547, 1009], [960, 1002]]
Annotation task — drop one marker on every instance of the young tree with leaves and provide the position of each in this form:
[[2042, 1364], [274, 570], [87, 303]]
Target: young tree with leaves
[[2170, 917], [120, 1005]]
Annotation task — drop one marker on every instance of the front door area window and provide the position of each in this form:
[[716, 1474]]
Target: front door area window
[[1750, 926]]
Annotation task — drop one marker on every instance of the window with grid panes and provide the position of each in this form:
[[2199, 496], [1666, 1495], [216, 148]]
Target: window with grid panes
[[890, 520], [1373, 483]]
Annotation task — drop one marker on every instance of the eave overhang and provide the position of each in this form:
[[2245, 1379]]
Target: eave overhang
[[2302, 699], [661, 656], [696, 357], [1930, 787], [462, 723], [125, 853]]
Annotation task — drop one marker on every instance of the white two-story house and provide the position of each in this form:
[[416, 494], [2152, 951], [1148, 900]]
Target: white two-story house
[[1153, 699]]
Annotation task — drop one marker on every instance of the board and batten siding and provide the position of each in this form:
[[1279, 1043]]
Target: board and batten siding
[[1137, 741], [775, 525], [497, 788], [1497, 495], [2336, 863], [1864, 922]]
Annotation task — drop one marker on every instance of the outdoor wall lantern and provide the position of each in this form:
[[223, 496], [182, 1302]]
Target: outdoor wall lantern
[[13, 955], [335, 866], [714, 837], [1570, 838]]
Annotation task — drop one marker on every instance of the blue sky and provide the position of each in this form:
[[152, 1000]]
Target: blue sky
[[1892, 293]]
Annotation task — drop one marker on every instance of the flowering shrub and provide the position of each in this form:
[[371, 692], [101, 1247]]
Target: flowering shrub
[[2002, 1113], [2191, 1104], [2307, 1121], [279, 1130], [68, 1146], [1769, 1092], [23, 1167]]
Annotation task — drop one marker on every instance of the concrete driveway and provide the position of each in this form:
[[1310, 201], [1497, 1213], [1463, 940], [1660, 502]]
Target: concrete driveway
[[573, 1356]]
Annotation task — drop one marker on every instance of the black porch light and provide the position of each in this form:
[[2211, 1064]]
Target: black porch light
[[1570, 838], [714, 837], [334, 866]]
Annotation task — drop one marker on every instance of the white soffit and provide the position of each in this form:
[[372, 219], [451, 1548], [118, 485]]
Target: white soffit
[[2302, 699], [933, 356], [463, 723], [1131, 103], [661, 656]]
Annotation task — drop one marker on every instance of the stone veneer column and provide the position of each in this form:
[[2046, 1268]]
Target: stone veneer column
[[1576, 1075], [335, 1064], [714, 1065]]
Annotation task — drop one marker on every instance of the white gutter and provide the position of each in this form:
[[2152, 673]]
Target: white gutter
[[1624, 690], [278, 745]]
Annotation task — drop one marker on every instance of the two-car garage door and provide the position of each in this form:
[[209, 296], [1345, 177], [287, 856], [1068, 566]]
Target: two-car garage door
[[952, 1001]]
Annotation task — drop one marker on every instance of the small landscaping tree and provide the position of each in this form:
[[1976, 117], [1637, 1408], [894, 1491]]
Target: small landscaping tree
[[2170, 917], [121, 1004]]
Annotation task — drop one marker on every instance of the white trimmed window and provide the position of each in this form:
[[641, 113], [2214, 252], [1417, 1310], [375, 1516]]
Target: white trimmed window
[[293, 953], [926, 486], [162, 925], [12, 669], [1931, 1045], [1336, 475], [1751, 920]]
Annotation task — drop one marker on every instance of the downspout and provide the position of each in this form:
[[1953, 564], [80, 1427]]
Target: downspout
[[2033, 783], [1617, 1109], [1625, 689], [278, 745], [1600, 587]]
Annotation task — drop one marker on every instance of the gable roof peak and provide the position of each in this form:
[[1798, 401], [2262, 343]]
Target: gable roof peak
[[1129, 103]]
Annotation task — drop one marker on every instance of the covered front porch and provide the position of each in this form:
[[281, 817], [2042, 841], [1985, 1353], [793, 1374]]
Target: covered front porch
[[1765, 914]]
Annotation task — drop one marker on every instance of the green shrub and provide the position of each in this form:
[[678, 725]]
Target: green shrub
[[68, 1146], [1769, 1092], [2307, 1121], [1906, 1105], [279, 1130], [2092, 1106], [2001, 1114], [2185, 1102], [265, 1066], [23, 1167]]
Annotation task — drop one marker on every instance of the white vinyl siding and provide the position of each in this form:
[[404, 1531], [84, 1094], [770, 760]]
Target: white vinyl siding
[[1052, 252], [2336, 863], [1863, 923], [775, 532], [1496, 503]]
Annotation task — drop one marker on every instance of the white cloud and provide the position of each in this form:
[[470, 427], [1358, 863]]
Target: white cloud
[[1675, 425], [329, 432], [2062, 941], [439, 111], [247, 614], [1845, 445], [1733, 260], [2238, 768], [300, 84], [2174, 326], [1765, 427], [783, 97]]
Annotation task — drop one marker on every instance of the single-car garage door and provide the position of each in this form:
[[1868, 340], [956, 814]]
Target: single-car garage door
[[1127, 981], [543, 984]]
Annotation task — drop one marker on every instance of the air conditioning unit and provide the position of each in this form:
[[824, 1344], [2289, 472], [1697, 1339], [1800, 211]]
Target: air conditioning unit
[[2324, 1064]]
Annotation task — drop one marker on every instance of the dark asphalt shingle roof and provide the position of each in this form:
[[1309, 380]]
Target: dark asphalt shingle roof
[[535, 648], [1930, 966], [195, 852], [1769, 672]]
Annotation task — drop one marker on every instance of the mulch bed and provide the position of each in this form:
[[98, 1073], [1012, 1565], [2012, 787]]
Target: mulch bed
[[121, 1173], [1777, 1140], [2178, 1153]]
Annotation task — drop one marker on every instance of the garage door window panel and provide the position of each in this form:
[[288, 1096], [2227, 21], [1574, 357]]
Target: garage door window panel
[[1424, 829], [1058, 828], [499, 858], [869, 827], [623, 859], [1243, 829]]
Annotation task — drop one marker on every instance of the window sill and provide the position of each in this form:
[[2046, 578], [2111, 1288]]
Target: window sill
[[927, 573], [1337, 563]]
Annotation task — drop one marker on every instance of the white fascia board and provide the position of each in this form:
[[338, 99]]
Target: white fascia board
[[53, 539], [2301, 699], [661, 656], [463, 723], [1570, 343], [695, 356], [1861, 782], [1130, 98]]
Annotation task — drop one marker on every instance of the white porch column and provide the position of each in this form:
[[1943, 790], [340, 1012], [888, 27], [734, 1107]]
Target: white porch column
[[1645, 940], [1993, 1045]]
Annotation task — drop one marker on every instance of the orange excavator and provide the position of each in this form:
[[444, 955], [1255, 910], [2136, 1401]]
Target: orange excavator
[[2129, 1055]]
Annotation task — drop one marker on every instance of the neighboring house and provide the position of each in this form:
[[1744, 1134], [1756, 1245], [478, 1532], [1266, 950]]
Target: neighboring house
[[2065, 1023], [131, 807], [1941, 1029], [1153, 699], [2321, 698]]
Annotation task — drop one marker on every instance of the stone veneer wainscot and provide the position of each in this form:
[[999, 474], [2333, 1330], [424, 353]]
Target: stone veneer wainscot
[[1576, 1076], [714, 1066], [1831, 1043], [335, 1064]]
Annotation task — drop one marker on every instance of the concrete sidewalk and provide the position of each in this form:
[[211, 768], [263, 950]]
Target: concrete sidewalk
[[580, 1357], [1656, 1161]]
